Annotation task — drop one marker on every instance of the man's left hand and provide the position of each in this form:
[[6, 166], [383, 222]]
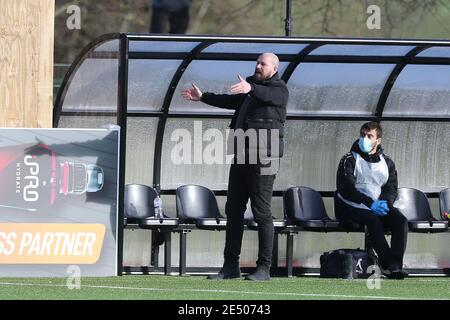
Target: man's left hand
[[241, 87], [380, 207]]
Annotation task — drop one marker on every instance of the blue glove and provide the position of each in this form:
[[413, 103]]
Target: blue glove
[[380, 207]]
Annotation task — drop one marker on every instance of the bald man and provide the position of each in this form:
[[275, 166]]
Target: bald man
[[260, 103]]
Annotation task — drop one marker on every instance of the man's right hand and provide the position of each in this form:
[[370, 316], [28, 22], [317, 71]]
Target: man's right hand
[[380, 207], [193, 94]]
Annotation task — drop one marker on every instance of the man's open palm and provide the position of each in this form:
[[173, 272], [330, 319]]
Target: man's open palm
[[241, 87], [193, 94]]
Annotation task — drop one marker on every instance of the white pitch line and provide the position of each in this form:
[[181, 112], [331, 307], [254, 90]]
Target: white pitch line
[[218, 291]]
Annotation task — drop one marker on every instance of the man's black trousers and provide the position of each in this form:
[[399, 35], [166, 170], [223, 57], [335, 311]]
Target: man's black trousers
[[394, 221], [164, 21], [246, 181]]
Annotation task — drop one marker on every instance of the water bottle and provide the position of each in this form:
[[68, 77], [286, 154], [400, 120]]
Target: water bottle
[[157, 203]]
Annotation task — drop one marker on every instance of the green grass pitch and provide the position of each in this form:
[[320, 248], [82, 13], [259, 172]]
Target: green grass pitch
[[157, 287]]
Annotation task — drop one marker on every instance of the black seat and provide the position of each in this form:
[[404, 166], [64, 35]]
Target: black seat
[[138, 202], [304, 207], [304, 210], [138, 207], [414, 205], [198, 205], [444, 204]]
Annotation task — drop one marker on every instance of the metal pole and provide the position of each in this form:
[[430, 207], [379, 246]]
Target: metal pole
[[122, 100], [287, 21]]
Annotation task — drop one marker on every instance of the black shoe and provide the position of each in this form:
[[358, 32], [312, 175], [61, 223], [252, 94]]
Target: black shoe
[[398, 274], [227, 272], [394, 272], [385, 273], [261, 273]]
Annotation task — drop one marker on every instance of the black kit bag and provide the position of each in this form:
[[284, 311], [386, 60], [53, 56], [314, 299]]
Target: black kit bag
[[346, 264]]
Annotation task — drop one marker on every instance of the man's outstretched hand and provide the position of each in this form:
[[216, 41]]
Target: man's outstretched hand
[[241, 87], [193, 94]]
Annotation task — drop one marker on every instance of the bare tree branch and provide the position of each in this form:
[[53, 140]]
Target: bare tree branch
[[201, 13]]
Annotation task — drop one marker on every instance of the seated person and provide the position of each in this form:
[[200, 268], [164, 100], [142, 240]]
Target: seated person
[[366, 190]]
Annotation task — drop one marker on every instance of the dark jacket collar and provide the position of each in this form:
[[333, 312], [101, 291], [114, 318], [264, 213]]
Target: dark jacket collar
[[368, 157], [275, 77]]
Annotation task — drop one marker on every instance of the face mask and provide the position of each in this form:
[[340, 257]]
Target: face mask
[[365, 145]]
